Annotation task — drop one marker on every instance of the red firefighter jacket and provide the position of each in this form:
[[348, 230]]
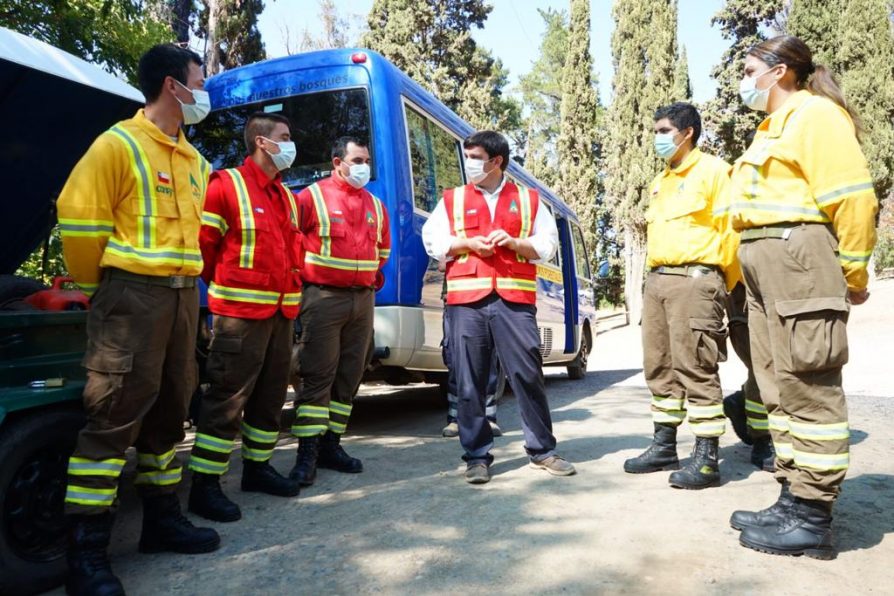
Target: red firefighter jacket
[[346, 234], [251, 244]]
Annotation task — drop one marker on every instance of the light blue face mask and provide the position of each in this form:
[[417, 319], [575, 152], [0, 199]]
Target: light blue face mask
[[664, 145]]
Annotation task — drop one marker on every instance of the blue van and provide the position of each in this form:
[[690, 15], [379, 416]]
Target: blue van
[[416, 147]]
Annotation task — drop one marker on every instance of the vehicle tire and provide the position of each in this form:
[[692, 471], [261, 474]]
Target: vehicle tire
[[13, 288], [577, 370], [34, 451]]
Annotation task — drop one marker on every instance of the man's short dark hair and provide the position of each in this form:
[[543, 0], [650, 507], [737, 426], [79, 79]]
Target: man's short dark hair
[[682, 115], [261, 124], [164, 60], [493, 143], [340, 147]]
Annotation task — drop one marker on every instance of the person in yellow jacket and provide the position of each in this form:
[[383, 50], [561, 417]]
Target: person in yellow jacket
[[691, 258], [129, 216], [803, 199]]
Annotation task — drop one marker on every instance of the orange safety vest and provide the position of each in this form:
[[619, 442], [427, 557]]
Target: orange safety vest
[[471, 277], [350, 240], [256, 272]]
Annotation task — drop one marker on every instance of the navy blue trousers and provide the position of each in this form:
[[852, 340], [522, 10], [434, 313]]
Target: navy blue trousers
[[478, 330], [490, 402]]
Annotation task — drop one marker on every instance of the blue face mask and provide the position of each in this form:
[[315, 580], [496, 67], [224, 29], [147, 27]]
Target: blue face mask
[[664, 145]]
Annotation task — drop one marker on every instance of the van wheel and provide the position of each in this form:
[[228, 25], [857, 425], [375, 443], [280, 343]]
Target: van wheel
[[578, 368], [34, 452]]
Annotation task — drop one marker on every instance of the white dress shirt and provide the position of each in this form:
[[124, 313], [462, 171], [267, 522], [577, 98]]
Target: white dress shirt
[[436, 237]]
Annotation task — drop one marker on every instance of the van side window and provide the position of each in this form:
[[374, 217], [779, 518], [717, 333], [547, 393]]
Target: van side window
[[557, 258], [435, 159], [581, 258]]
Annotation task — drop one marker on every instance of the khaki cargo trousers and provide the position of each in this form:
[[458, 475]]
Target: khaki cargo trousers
[[737, 315], [684, 338], [797, 316], [141, 375], [248, 369], [331, 355]]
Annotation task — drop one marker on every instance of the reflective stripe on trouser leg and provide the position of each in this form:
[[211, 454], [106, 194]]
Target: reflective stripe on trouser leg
[[756, 414], [210, 454], [310, 421], [158, 469], [706, 421], [257, 444], [668, 410], [339, 414], [93, 483]]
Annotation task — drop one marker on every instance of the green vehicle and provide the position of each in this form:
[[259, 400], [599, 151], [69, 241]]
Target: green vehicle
[[54, 106]]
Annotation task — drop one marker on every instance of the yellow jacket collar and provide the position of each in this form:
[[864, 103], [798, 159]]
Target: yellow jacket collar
[[775, 122], [686, 164], [153, 131]]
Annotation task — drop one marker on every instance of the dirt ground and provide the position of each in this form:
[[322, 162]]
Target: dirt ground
[[409, 524]]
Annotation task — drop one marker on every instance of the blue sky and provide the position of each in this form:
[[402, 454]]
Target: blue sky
[[514, 29]]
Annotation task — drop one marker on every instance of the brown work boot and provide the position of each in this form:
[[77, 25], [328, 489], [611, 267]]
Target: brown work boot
[[555, 465]]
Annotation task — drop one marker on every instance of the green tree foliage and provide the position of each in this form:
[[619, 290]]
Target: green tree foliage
[[644, 51], [178, 14], [431, 41], [578, 136], [682, 84], [112, 33], [728, 123], [816, 22], [541, 90], [231, 30]]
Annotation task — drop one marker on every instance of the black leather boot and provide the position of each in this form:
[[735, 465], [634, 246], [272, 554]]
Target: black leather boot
[[89, 571], [702, 470], [734, 409], [166, 529], [805, 529], [305, 470], [661, 454], [207, 499], [770, 516], [763, 455], [333, 456], [261, 477]]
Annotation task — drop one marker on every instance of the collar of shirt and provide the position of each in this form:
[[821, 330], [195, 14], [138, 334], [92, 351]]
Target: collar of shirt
[[343, 186], [686, 164], [153, 131], [260, 176], [491, 196], [775, 122]]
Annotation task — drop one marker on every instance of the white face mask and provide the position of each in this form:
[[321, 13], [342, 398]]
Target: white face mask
[[286, 156], [359, 175], [193, 113], [475, 170], [752, 97]]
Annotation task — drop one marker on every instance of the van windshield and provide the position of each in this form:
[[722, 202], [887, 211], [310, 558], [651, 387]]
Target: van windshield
[[318, 119]]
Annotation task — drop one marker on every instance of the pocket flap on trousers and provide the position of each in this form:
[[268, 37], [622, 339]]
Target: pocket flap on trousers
[[108, 361], [227, 344], [709, 325], [793, 308]]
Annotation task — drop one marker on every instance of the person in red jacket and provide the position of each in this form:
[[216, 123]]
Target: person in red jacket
[[346, 243], [251, 249]]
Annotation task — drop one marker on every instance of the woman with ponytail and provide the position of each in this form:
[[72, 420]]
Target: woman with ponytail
[[804, 202]]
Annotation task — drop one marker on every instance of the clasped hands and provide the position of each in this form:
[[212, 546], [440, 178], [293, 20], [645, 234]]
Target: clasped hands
[[484, 246]]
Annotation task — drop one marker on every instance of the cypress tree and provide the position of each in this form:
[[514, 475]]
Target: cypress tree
[[577, 141], [729, 125], [231, 29], [643, 48], [682, 84], [542, 95], [816, 22]]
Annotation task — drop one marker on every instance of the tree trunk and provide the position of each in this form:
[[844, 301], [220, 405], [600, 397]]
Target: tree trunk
[[212, 53], [634, 266]]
